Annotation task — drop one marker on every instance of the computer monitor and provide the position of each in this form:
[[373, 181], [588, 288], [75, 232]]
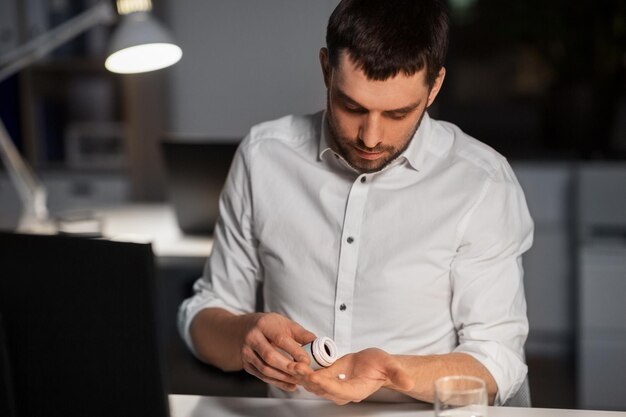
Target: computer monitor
[[7, 405], [80, 327]]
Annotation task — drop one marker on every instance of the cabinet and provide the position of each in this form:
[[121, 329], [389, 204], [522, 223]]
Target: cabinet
[[72, 115], [602, 286], [76, 117], [602, 336], [548, 265]]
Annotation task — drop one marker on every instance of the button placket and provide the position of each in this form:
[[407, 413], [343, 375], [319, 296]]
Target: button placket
[[348, 260]]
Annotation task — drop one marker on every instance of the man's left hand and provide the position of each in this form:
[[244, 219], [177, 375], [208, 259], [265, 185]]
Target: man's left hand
[[365, 373]]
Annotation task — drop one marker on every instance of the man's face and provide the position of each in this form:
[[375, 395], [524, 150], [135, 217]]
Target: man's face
[[372, 122]]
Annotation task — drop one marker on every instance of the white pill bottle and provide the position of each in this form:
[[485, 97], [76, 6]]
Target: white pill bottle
[[322, 352]]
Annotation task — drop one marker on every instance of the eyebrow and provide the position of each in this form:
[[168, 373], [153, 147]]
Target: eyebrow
[[406, 109]]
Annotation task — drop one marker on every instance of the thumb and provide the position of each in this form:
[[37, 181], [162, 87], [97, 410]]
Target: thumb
[[302, 335]]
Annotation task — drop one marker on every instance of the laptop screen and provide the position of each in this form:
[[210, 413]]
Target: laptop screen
[[195, 174], [80, 327]]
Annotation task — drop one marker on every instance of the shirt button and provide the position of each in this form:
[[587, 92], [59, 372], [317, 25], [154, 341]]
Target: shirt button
[[362, 179], [342, 307], [350, 239]]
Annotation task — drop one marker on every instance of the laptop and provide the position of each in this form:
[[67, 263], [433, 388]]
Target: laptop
[[79, 328], [195, 175]]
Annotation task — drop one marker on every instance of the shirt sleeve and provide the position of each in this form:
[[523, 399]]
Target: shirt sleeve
[[488, 303], [232, 272]]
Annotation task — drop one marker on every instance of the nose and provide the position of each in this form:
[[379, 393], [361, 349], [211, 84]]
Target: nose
[[371, 131]]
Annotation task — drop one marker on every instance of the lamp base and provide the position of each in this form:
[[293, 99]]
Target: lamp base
[[79, 224], [75, 223], [32, 224]]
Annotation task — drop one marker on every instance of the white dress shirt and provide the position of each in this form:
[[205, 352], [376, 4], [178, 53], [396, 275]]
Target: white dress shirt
[[423, 257]]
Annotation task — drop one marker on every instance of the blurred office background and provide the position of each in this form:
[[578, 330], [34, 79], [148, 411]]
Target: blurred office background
[[541, 81]]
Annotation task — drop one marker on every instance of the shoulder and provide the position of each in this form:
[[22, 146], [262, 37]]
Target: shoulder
[[289, 131], [468, 152]]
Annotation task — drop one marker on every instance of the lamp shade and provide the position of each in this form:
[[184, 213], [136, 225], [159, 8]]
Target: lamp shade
[[141, 44]]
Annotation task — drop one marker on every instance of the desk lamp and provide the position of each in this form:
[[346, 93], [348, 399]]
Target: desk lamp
[[139, 44]]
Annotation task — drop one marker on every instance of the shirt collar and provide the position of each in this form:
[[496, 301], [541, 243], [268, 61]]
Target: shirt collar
[[324, 147], [413, 154]]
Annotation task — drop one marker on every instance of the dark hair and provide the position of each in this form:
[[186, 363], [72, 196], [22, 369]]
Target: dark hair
[[384, 37]]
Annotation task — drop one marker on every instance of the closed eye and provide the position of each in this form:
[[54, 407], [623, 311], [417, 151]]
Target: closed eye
[[397, 116], [352, 106], [355, 110]]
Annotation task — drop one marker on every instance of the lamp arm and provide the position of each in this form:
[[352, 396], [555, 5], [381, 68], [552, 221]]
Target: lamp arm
[[13, 61], [29, 188]]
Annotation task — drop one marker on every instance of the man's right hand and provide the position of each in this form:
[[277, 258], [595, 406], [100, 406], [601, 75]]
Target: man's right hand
[[265, 336]]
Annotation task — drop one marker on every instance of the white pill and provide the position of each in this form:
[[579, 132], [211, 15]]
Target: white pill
[[341, 376]]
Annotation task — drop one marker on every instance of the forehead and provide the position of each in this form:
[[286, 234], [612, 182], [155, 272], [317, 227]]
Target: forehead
[[395, 92]]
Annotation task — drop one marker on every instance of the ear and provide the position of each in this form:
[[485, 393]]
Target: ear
[[436, 86], [325, 63]]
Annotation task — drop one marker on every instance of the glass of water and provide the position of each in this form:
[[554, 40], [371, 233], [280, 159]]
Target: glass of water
[[460, 396]]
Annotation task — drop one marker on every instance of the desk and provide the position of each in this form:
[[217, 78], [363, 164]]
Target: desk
[[194, 406], [142, 223], [155, 223]]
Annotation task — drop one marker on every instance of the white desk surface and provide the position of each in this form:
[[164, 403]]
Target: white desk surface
[[140, 223], [195, 406], [155, 223]]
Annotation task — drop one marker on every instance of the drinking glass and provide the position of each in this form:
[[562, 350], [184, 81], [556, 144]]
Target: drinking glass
[[460, 396]]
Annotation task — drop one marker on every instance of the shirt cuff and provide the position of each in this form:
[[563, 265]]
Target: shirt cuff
[[505, 366], [188, 311]]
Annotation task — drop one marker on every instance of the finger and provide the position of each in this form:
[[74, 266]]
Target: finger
[[327, 384], [336, 400], [339, 401], [271, 356], [302, 370], [259, 364], [293, 348], [285, 386], [314, 388], [302, 335], [331, 397], [275, 359], [301, 379]]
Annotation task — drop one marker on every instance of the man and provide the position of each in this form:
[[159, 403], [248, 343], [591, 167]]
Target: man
[[396, 235]]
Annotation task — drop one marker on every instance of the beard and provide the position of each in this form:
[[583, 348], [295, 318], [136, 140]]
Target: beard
[[345, 146]]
